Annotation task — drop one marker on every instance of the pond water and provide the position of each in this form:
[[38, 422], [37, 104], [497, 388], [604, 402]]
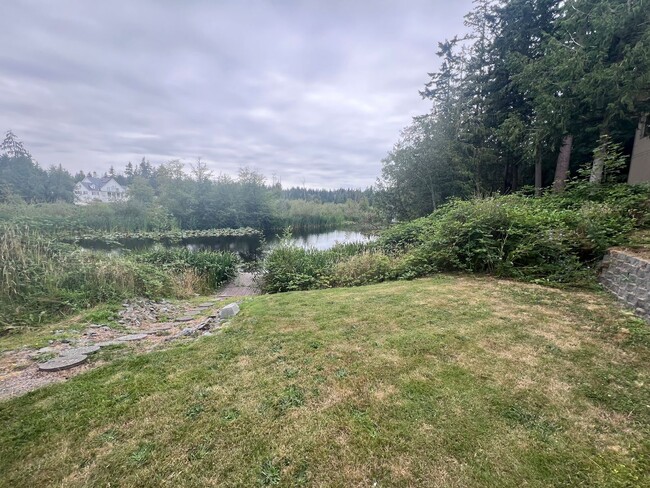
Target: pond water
[[248, 247], [323, 240]]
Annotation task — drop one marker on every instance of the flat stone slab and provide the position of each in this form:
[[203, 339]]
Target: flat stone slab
[[132, 337], [80, 351], [184, 318], [229, 311], [206, 304], [62, 362], [109, 343]]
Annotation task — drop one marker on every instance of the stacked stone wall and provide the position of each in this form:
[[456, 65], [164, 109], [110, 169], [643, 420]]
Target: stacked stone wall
[[627, 276]]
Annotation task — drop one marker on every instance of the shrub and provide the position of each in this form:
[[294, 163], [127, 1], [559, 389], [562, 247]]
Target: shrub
[[289, 268], [363, 269], [555, 239], [215, 267]]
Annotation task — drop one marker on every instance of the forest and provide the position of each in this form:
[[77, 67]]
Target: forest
[[536, 93]]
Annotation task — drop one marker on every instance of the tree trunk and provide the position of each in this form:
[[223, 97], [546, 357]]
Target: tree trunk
[[562, 166], [538, 171], [598, 165]]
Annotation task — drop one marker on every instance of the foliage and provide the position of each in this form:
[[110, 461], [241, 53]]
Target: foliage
[[165, 197], [556, 239], [214, 267], [62, 218], [363, 269], [42, 279], [288, 268], [530, 76]]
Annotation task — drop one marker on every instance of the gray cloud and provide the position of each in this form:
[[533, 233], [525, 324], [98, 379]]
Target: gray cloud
[[311, 91]]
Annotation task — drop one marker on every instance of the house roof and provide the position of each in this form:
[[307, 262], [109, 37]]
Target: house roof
[[95, 184]]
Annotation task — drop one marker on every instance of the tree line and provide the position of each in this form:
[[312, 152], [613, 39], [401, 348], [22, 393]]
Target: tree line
[[169, 194], [536, 89]]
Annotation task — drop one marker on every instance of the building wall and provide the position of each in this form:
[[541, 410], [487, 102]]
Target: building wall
[[627, 276], [110, 192], [640, 164]]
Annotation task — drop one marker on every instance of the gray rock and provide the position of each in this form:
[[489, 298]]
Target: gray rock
[[80, 351], [206, 304], [45, 350], [207, 333], [187, 331], [132, 337], [109, 343], [204, 325], [229, 311], [62, 362], [184, 318]]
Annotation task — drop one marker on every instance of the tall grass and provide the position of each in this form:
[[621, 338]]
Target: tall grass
[[65, 218], [215, 267], [42, 279], [308, 215]]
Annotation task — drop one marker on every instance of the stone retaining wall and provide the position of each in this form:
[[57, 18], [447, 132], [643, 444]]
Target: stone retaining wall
[[627, 276]]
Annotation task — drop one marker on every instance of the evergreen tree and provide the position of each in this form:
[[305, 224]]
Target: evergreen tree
[[12, 147]]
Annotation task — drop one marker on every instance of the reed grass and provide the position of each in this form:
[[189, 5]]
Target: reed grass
[[42, 279]]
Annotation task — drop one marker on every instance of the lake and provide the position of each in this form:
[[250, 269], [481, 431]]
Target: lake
[[248, 247]]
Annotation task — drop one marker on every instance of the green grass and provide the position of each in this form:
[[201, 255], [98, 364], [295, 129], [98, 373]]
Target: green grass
[[453, 381]]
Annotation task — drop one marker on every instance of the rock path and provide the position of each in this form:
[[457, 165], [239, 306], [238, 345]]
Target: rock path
[[25, 370]]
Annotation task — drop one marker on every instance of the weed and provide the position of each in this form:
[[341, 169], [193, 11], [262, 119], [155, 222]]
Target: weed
[[292, 397], [269, 474], [194, 411], [142, 454]]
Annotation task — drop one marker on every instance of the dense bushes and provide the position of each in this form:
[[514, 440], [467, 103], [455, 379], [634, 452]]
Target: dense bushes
[[289, 267], [214, 267], [307, 215], [41, 279], [555, 240]]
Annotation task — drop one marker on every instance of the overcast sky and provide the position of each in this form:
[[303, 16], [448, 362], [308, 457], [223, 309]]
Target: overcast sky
[[314, 92]]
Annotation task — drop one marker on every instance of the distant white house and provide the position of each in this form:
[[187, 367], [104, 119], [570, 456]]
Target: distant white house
[[92, 189]]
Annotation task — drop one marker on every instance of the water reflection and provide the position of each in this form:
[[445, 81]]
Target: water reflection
[[248, 247], [324, 240]]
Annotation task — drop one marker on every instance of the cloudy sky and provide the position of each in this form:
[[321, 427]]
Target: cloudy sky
[[314, 92]]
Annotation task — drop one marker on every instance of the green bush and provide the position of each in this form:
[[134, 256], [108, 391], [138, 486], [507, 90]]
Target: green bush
[[291, 268], [364, 269], [215, 267], [555, 239]]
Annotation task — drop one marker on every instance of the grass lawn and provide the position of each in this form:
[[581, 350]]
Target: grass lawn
[[452, 381]]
